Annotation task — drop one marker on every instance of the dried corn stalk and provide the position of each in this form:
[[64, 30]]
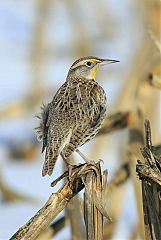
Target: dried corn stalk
[[150, 176]]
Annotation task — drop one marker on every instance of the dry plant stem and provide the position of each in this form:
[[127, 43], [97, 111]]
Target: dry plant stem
[[150, 176], [59, 200], [74, 216], [54, 205], [93, 217], [53, 229]]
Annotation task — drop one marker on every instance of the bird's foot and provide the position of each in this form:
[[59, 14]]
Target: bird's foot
[[70, 168], [90, 161], [87, 160]]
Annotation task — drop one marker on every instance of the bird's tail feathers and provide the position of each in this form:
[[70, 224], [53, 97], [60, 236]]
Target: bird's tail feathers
[[43, 117], [50, 161]]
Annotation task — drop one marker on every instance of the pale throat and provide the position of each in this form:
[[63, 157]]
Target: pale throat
[[93, 72]]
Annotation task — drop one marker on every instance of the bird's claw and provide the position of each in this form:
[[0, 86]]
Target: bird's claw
[[70, 167], [94, 162], [100, 161]]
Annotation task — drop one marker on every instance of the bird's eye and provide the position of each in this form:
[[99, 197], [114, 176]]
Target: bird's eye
[[88, 64]]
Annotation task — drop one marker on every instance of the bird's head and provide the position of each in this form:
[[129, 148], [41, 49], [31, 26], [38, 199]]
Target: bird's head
[[87, 67]]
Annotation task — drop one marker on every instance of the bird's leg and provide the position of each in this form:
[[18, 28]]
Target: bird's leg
[[83, 156], [87, 160], [65, 160], [68, 165]]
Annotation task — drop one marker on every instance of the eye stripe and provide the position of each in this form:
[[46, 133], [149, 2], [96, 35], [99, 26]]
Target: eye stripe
[[84, 62], [78, 64]]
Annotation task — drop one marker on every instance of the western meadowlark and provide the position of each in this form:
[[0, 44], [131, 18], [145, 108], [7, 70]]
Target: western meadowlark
[[75, 114]]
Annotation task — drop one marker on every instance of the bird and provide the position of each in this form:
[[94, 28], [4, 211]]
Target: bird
[[75, 114]]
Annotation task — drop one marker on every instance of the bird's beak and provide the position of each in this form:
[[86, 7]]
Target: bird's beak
[[107, 61], [99, 63]]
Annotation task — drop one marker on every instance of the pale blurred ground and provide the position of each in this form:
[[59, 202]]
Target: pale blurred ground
[[112, 31]]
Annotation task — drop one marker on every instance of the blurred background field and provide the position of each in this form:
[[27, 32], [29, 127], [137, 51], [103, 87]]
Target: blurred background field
[[39, 40]]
